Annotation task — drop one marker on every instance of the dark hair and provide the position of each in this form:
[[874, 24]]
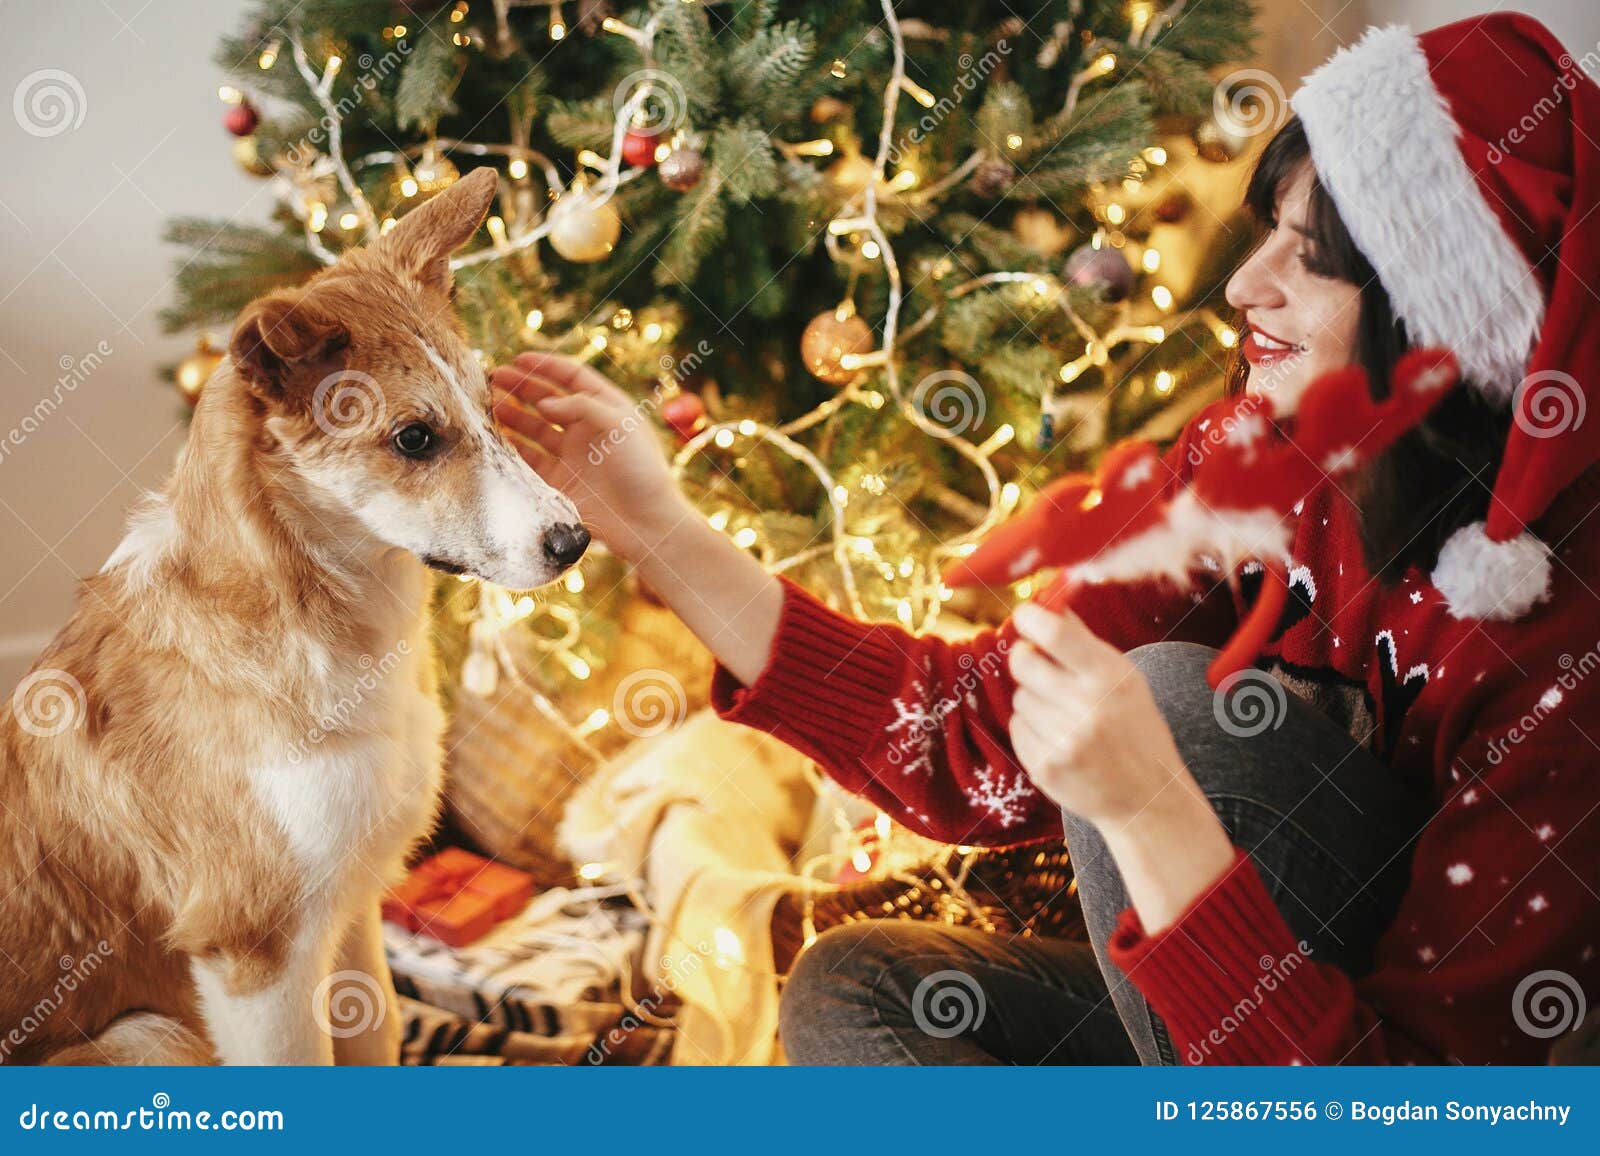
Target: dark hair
[[1436, 478]]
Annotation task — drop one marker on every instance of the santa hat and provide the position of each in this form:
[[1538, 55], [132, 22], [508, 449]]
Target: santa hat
[[1134, 519], [1463, 162]]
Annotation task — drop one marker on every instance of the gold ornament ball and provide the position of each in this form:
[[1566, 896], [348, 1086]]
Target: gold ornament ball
[[828, 339], [247, 155], [196, 368], [584, 228]]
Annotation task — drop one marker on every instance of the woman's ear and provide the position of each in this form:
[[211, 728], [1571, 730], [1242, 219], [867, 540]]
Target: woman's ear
[[422, 242], [280, 336]]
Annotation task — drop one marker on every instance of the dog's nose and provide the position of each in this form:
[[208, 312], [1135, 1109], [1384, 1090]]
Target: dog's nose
[[565, 544]]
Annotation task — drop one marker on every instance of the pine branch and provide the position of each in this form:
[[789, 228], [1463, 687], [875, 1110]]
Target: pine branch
[[231, 265], [743, 159], [427, 82], [764, 70]]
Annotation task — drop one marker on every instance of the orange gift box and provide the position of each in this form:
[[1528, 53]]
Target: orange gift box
[[457, 896]]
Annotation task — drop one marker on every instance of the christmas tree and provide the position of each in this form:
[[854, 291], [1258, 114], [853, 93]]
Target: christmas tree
[[876, 271]]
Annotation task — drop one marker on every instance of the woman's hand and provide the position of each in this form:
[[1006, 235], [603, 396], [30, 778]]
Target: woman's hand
[[1087, 730], [595, 444], [1085, 726]]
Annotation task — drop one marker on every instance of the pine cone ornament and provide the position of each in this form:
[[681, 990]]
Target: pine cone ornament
[[992, 179]]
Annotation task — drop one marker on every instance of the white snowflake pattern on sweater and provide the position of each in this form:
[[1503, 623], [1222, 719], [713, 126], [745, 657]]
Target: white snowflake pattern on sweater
[[1006, 801], [918, 718]]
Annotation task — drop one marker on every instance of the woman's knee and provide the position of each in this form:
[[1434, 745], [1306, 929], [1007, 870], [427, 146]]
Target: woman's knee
[[828, 993]]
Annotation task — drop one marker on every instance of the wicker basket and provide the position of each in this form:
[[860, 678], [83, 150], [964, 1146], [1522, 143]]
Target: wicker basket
[[509, 770]]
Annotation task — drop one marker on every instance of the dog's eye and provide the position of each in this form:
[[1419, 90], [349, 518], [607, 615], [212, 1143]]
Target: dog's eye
[[414, 440]]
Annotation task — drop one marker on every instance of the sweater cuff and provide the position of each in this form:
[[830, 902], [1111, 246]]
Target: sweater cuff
[[1230, 980], [826, 686]]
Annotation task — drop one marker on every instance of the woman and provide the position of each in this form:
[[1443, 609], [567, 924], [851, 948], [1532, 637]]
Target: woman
[[1405, 865]]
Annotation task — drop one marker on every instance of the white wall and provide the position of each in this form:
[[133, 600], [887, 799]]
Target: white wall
[[80, 261]]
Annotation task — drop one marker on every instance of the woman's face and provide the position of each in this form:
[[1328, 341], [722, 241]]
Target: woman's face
[[1299, 323]]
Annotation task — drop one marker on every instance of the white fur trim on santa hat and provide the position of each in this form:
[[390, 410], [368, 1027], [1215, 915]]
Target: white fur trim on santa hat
[[1482, 578], [1384, 144]]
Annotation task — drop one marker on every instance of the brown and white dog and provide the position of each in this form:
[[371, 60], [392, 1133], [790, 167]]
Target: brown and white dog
[[216, 767]]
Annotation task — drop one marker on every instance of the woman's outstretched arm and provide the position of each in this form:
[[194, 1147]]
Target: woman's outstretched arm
[[917, 724]]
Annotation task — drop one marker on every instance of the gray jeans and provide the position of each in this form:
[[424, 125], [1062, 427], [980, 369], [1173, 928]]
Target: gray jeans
[[1328, 825]]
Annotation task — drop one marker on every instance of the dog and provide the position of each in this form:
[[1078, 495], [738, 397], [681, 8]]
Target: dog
[[212, 773]]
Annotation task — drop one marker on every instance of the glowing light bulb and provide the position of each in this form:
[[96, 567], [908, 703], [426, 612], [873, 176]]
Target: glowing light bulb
[[518, 168], [1162, 296], [535, 318], [1164, 382], [574, 582], [745, 538], [348, 221], [724, 438], [1151, 260], [870, 250], [1013, 141], [1227, 336], [1156, 155], [408, 187], [651, 331]]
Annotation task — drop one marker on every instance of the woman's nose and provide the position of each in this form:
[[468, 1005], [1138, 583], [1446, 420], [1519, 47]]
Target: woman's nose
[[1252, 285]]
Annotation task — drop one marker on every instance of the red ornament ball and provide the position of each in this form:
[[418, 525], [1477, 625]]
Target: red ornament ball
[[639, 147], [685, 414], [241, 119]]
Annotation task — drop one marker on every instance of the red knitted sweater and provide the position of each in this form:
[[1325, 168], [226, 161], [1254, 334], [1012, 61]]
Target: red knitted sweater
[[1503, 719]]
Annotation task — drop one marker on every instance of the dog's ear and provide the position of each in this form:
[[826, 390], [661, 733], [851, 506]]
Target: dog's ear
[[279, 335], [422, 242]]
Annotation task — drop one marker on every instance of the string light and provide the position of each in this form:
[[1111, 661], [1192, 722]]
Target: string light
[[518, 169], [535, 318], [558, 25]]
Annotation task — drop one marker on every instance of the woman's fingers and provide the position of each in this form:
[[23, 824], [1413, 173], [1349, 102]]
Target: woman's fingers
[[543, 462], [569, 375], [1062, 636], [526, 387], [530, 427], [1033, 667]]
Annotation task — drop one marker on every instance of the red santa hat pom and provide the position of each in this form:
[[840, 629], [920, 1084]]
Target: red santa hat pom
[[1484, 578]]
